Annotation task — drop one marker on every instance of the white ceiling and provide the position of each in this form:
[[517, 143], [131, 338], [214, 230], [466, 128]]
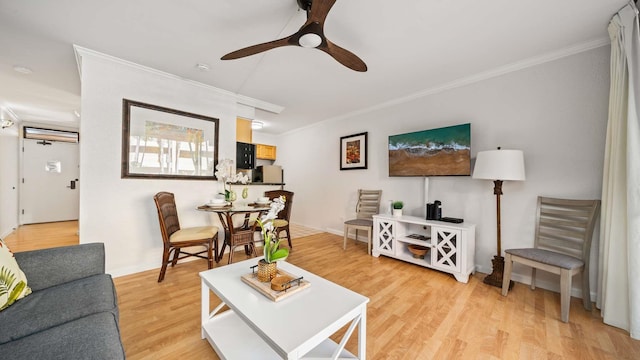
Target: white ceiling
[[409, 46]]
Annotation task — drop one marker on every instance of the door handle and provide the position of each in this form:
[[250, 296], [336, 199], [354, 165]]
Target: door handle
[[72, 185]]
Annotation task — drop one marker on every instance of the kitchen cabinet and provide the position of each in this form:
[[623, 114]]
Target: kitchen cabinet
[[265, 152], [244, 134]]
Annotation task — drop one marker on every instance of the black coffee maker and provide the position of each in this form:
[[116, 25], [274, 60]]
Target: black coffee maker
[[434, 210]]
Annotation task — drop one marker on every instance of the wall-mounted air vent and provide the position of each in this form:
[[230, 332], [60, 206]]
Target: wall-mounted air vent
[[51, 134]]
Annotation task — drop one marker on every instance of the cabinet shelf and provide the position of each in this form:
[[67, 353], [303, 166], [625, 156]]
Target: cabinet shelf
[[452, 246], [408, 240], [406, 255]]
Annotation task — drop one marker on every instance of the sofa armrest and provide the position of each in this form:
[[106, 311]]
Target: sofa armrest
[[49, 267]]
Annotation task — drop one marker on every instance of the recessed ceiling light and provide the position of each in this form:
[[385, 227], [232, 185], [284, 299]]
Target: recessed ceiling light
[[22, 69], [256, 125], [203, 67]]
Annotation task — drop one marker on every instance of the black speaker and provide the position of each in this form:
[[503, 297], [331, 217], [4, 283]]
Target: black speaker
[[434, 210]]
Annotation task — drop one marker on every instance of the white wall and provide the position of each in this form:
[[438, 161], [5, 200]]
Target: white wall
[[8, 180], [555, 112], [259, 137], [121, 212]]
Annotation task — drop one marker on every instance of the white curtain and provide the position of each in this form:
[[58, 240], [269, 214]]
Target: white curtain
[[619, 257]]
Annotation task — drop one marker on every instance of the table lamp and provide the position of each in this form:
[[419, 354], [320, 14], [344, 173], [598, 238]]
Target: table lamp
[[499, 165]]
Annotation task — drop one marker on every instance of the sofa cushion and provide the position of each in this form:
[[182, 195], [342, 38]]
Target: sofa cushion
[[92, 337], [56, 305], [54, 266], [13, 282]]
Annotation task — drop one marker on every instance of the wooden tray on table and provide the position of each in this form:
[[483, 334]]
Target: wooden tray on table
[[265, 287]]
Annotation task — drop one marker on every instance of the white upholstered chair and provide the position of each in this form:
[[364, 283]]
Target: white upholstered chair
[[563, 233], [367, 206]]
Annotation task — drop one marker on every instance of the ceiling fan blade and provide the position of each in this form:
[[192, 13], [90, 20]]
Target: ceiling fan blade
[[316, 15], [344, 56], [319, 10], [255, 49]]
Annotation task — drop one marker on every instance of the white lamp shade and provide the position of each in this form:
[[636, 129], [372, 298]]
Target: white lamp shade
[[499, 165]]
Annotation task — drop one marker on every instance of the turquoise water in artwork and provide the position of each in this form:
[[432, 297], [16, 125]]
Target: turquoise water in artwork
[[454, 138]]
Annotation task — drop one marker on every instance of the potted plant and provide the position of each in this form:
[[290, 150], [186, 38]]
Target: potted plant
[[267, 267], [397, 208], [225, 173]]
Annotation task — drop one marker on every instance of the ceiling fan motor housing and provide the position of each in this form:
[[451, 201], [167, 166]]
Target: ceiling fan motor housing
[[304, 4]]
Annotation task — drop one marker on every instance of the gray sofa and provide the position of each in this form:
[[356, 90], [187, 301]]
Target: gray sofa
[[72, 312]]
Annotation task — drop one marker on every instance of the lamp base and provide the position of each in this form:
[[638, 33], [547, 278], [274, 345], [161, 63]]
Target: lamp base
[[495, 278]]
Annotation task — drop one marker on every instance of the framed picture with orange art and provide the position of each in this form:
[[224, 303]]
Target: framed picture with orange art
[[353, 152]]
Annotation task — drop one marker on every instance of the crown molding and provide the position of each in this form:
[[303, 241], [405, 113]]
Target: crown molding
[[81, 52], [499, 71], [6, 110], [259, 104]]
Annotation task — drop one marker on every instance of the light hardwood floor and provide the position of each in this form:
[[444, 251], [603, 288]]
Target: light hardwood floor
[[40, 236], [414, 313]]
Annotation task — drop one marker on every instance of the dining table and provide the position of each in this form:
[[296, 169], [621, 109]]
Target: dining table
[[239, 224]]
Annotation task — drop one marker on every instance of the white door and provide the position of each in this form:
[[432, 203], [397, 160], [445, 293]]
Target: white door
[[50, 184], [8, 183]]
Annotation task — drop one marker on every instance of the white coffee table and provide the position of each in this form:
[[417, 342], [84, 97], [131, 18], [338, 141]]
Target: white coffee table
[[296, 327]]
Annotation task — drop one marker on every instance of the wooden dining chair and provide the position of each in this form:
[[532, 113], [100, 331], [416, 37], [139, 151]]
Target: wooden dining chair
[[175, 238], [235, 236], [562, 246], [281, 223], [367, 206]]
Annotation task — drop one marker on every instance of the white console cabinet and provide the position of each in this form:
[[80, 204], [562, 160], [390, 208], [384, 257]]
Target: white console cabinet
[[452, 246]]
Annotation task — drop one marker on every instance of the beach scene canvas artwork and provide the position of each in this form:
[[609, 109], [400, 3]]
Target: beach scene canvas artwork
[[436, 152]]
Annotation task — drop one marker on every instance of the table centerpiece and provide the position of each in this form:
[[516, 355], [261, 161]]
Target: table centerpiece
[[268, 266]]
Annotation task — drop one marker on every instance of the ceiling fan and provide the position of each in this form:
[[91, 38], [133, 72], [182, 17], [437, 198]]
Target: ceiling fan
[[310, 35]]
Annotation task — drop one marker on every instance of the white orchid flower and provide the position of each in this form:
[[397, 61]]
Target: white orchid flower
[[271, 243], [224, 168], [268, 227], [268, 217]]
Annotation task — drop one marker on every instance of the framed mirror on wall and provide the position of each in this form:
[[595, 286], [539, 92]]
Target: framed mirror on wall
[[163, 143]]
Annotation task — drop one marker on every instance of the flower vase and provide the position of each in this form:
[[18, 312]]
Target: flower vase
[[397, 212], [267, 271], [231, 196]]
